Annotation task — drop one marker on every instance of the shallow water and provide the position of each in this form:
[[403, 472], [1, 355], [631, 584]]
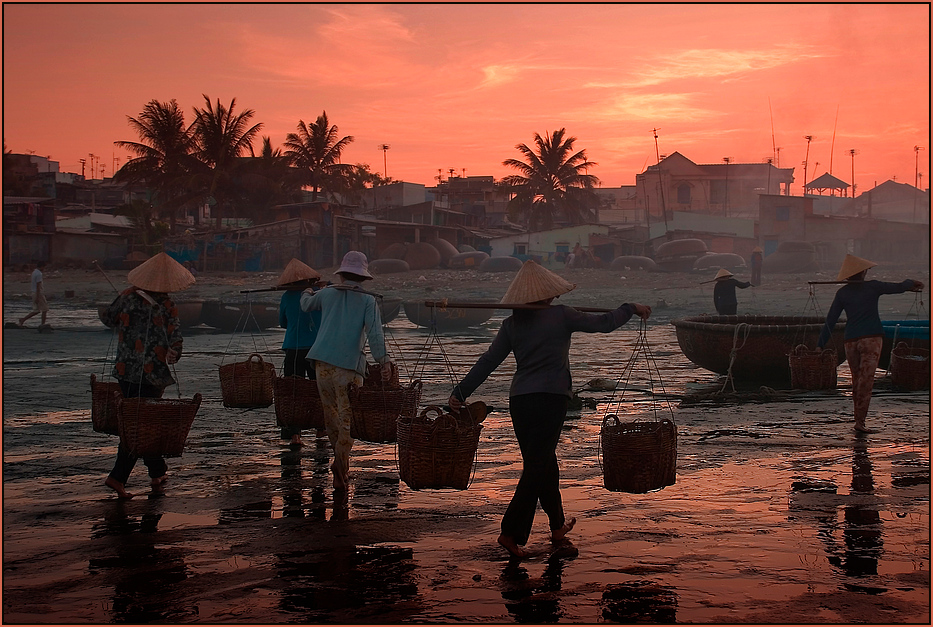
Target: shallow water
[[772, 502]]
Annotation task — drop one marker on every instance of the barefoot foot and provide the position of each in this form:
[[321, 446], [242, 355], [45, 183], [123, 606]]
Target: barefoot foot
[[558, 534], [514, 550], [296, 441], [117, 487]]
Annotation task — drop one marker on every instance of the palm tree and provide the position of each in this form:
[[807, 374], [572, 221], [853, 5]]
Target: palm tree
[[163, 155], [221, 138], [315, 151], [267, 180], [552, 180]]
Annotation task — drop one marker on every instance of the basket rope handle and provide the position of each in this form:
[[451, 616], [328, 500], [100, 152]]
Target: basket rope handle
[[641, 349]]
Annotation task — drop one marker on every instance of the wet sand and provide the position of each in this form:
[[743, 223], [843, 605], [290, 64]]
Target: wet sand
[[780, 513]]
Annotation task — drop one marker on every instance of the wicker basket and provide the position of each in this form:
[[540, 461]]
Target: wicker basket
[[156, 426], [247, 383], [436, 452], [105, 400], [638, 456], [812, 369], [298, 403], [376, 410], [910, 367]]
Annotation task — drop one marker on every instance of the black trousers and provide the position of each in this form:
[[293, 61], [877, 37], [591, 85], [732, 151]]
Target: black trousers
[[126, 460], [537, 420], [296, 365]]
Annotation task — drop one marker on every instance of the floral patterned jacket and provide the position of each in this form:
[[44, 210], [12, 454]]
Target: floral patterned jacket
[[146, 333]]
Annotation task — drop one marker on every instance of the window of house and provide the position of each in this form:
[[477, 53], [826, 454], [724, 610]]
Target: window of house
[[782, 214], [683, 194], [562, 247], [520, 249]]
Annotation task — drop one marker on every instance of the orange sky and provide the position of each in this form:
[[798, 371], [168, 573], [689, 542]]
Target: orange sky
[[458, 86]]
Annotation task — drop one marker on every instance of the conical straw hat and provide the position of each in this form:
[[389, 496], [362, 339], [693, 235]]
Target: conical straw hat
[[757, 249], [161, 274], [533, 283], [297, 271], [852, 265], [723, 274]]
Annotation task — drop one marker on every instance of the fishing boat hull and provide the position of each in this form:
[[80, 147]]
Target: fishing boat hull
[[231, 317], [189, 312], [762, 354], [450, 319]]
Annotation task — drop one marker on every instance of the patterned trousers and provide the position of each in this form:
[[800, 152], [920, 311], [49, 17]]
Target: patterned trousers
[[863, 355], [332, 382]]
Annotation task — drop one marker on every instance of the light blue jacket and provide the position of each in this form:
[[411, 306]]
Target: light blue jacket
[[300, 326], [348, 319]]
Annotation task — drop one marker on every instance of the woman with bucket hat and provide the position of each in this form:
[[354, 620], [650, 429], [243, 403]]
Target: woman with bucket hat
[[300, 326], [541, 387], [349, 317], [149, 341], [864, 332], [724, 292]]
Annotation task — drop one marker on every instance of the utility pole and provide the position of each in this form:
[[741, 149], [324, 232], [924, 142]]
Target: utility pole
[[725, 204], [809, 138], [657, 154], [852, 153], [385, 169], [769, 161], [82, 162], [917, 150]]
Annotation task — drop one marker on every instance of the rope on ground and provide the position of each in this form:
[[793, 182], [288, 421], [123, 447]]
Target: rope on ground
[[745, 328]]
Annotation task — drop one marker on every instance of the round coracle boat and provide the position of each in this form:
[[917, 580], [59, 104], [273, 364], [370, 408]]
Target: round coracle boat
[[240, 316], [915, 333], [449, 319], [189, 312], [762, 343]]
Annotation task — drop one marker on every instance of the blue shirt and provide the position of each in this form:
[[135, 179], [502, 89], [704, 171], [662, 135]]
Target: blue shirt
[[348, 320], [300, 326], [859, 299], [540, 339]]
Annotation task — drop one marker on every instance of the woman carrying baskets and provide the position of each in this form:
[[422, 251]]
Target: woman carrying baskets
[[539, 393], [349, 317], [300, 328], [864, 332], [149, 340]]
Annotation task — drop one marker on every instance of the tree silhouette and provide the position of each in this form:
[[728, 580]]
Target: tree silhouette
[[315, 151]]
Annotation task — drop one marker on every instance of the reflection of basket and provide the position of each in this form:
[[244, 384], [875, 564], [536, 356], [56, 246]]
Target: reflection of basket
[[156, 426], [910, 367], [436, 452], [812, 369], [105, 400], [638, 456], [247, 383], [376, 411], [297, 403]]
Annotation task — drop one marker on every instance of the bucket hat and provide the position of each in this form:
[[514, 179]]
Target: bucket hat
[[297, 271], [533, 283], [852, 265], [161, 273], [723, 274], [355, 262]]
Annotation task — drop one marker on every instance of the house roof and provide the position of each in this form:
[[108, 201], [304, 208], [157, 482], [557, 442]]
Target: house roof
[[827, 181]]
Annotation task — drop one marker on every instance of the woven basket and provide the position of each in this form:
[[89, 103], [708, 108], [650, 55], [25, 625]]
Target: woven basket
[[638, 456], [910, 367], [436, 452], [298, 403], [376, 411], [105, 400], [156, 426], [247, 383], [812, 369]]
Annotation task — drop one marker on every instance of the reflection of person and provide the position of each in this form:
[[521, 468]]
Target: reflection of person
[[724, 292], [864, 332], [756, 262], [300, 327], [540, 390], [39, 304], [349, 317], [149, 341]]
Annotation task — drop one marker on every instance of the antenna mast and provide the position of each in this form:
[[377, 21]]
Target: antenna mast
[[660, 180]]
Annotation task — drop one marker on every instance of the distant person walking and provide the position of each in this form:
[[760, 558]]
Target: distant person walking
[[39, 304], [539, 394], [149, 341], [349, 317], [864, 332], [300, 326], [756, 262], [724, 292]]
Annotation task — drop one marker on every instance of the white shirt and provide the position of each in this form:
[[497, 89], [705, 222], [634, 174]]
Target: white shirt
[[36, 279]]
